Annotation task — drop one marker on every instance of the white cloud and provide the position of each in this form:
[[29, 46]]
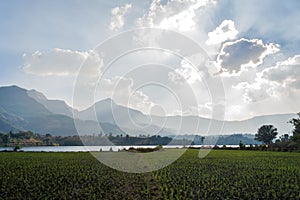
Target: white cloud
[[175, 14], [121, 90], [225, 31], [193, 68], [255, 92], [140, 101], [117, 18], [262, 97], [59, 62], [277, 82], [286, 73], [187, 73], [205, 110], [250, 88], [244, 53]]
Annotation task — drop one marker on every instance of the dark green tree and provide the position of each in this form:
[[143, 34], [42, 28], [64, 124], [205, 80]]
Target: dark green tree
[[48, 135], [285, 138], [202, 139], [266, 134], [6, 138], [241, 145], [296, 131], [17, 147]]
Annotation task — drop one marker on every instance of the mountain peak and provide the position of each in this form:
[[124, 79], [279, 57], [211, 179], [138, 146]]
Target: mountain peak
[[12, 87], [106, 101], [15, 100]]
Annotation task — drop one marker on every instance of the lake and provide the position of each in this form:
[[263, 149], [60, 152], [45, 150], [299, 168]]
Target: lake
[[93, 148]]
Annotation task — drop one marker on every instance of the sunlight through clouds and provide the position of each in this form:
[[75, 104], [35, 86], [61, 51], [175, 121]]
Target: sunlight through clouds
[[175, 15], [225, 31], [252, 47]]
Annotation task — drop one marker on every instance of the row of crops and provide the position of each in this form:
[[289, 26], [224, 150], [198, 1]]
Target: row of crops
[[232, 175], [221, 175]]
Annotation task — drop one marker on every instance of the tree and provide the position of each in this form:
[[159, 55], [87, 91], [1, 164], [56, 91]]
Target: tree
[[202, 139], [266, 134], [241, 145], [284, 138], [296, 131], [17, 148]]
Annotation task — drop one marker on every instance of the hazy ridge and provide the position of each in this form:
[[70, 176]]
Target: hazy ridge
[[22, 109]]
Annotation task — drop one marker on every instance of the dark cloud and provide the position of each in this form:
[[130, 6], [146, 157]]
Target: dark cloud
[[241, 52]]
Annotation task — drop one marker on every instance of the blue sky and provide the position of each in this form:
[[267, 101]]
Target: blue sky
[[253, 46]]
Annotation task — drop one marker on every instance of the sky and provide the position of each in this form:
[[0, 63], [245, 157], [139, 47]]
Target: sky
[[249, 66]]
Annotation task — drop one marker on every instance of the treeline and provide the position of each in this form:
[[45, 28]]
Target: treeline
[[268, 133], [125, 140], [28, 138]]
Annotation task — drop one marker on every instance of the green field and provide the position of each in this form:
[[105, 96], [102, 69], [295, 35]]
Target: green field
[[223, 174]]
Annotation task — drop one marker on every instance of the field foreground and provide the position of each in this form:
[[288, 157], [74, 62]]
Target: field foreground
[[223, 174]]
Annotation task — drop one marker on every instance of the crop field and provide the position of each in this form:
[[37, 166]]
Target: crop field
[[223, 174]]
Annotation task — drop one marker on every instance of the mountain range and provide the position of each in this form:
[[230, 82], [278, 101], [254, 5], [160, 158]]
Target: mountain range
[[22, 109]]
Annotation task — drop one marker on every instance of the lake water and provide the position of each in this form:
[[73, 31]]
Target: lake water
[[92, 148]]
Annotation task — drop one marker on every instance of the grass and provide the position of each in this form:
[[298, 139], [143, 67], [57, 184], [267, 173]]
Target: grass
[[223, 174]]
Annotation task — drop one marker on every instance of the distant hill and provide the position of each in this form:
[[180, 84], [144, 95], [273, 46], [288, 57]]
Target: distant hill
[[232, 139], [6, 126], [127, 119], [22, 109], [216, 127], [54, 106], [19, 111]]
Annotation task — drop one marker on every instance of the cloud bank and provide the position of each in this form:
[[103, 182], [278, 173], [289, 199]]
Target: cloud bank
[[59, 62]]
